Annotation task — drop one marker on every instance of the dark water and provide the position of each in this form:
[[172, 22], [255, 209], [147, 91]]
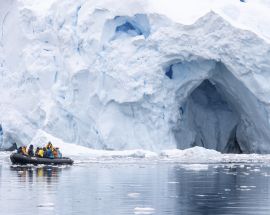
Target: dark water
[[114, 189]]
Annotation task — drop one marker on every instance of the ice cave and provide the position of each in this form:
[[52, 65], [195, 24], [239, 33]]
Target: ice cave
[[219, 112]]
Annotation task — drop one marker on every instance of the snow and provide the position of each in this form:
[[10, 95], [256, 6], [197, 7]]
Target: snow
[[197, 157], [77, 151], [250, 15], [142, 79]]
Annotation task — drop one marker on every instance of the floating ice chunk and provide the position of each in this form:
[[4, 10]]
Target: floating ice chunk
[[144, 210], [245, 173], [243, 189], [46, 205], [201, 195], [255, 170], [133, 195], [196, 167], [195, 154]]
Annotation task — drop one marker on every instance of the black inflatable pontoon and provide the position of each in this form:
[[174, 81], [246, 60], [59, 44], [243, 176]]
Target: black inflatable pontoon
[[22, 159]]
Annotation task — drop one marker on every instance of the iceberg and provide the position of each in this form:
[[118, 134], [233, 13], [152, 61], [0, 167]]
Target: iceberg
[[150, 75]]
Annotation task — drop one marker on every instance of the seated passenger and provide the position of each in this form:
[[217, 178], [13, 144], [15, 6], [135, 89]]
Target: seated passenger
[[41, 152], [49, 153], [44, 152], [36, 152], [31, 151], [19, 150], [55, 153], [49, 145], [24, 152], [59, 154]]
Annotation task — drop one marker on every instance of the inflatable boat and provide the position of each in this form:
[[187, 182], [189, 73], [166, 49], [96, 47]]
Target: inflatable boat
[[22, 159]]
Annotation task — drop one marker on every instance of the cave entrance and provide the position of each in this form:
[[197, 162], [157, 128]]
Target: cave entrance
[[216, 110], [212, 118]]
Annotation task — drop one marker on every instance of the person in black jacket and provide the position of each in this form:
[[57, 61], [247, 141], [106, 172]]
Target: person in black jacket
[[19, 150], [31, 151], [36, 152]]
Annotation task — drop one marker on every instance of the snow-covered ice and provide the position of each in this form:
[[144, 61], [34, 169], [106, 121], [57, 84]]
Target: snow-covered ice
[[142, 79], [193, 159]]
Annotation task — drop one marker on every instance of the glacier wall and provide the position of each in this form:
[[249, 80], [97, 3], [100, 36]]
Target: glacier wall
[[125, 79]]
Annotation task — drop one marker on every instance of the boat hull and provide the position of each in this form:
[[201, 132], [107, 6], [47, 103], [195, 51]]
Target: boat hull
[[22, 160]]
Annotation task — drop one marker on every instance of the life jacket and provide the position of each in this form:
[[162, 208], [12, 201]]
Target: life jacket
[[24, 152], [55, 153], [49, 153], [41, 153]]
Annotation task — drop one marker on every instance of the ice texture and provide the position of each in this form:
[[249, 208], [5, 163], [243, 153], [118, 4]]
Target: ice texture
[[135, 76]]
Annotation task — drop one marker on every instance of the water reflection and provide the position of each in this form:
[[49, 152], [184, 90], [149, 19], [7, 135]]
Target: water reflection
[[222, 190], [28, 173], [135, 189]]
